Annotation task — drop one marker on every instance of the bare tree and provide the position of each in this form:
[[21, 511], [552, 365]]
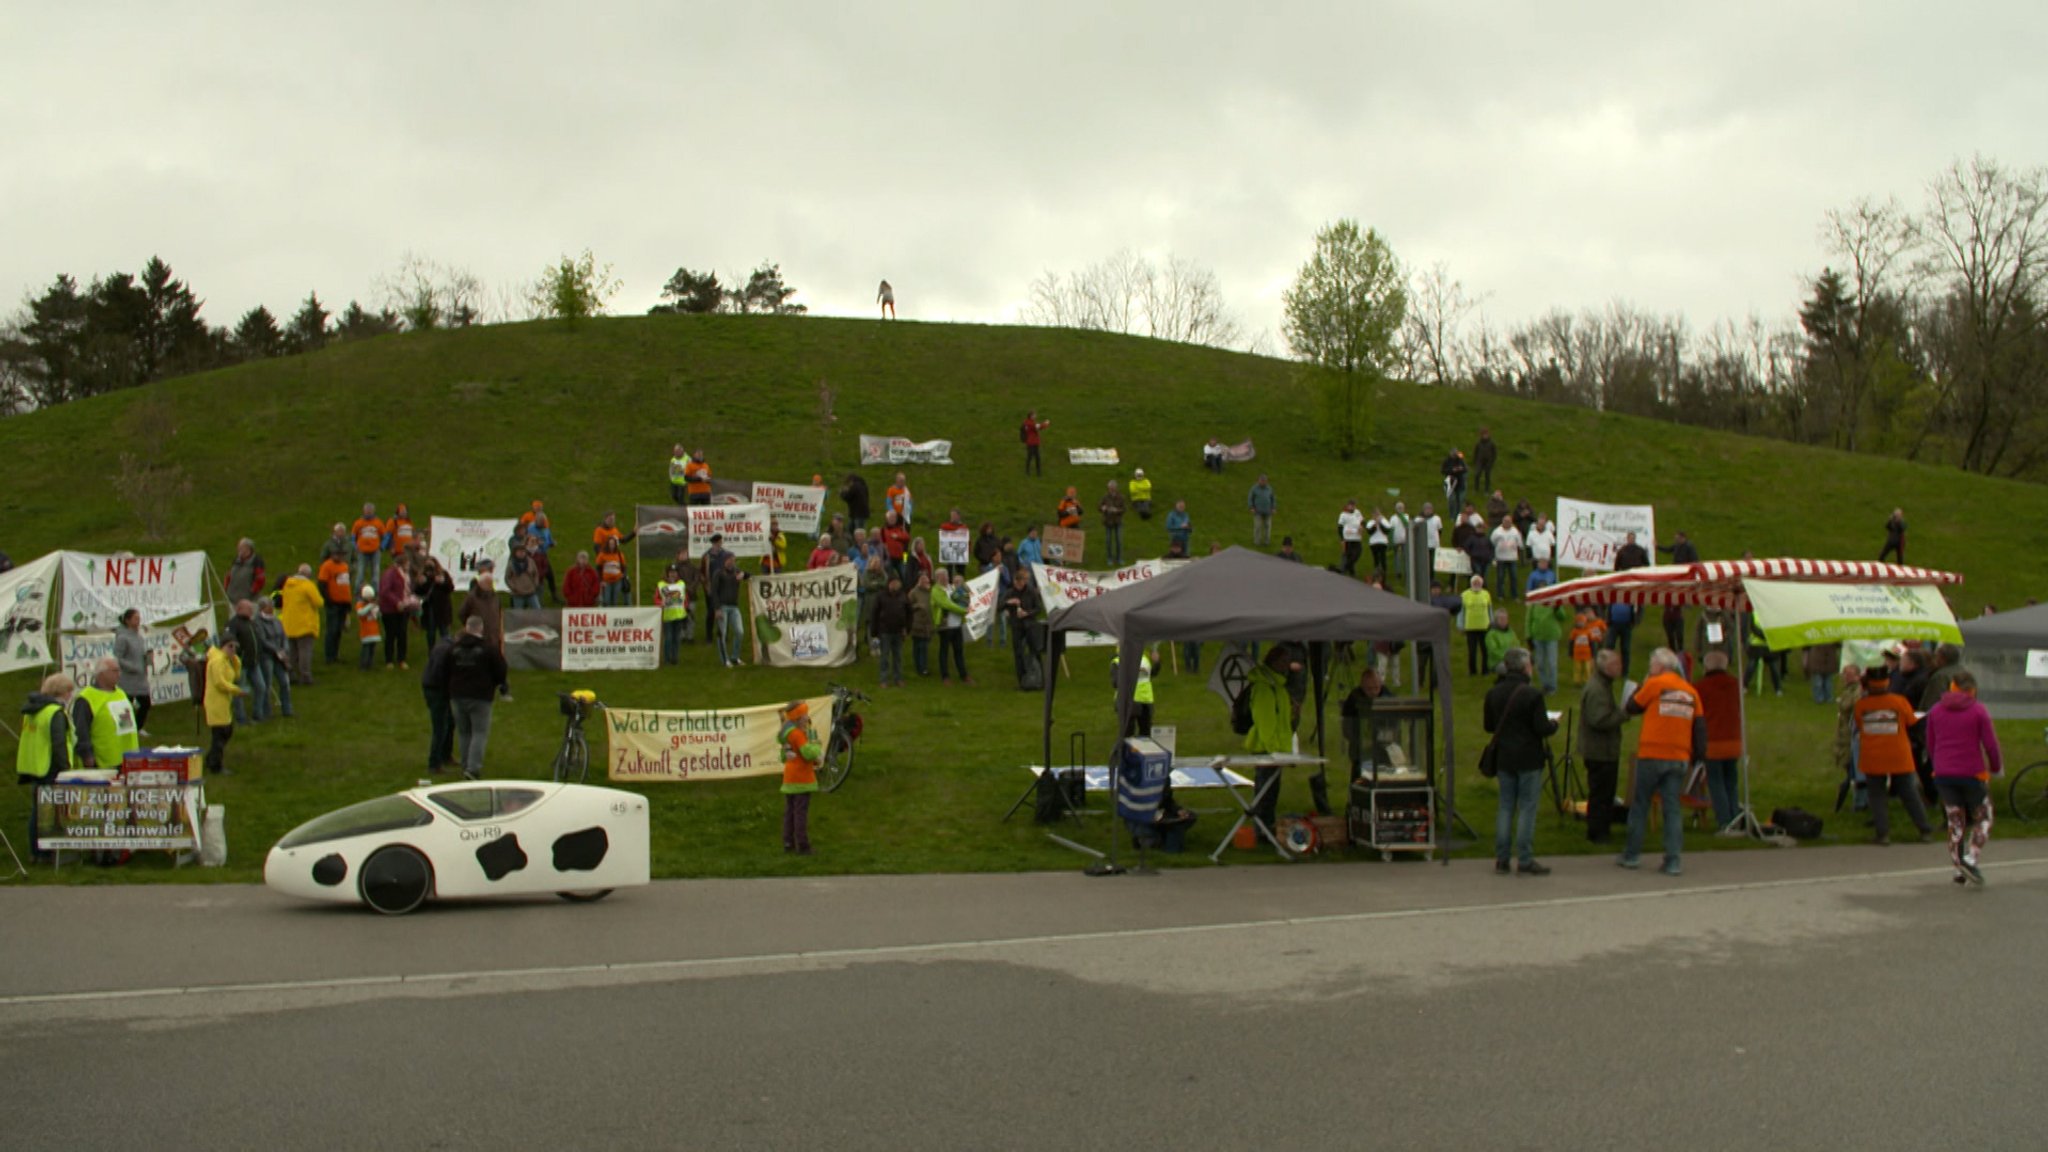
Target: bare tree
[[1984, 249], [428, 294], [1176, 299], [1433, 337]]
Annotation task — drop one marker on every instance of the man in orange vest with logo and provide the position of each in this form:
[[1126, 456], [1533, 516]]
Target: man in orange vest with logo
[[1884, 753], [697, 479], [1070, 510], [1673, 737], [369, 556]]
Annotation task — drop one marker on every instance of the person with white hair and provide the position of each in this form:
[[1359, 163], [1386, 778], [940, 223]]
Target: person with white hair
[[107, 717], [1673, 737], [49, 740]]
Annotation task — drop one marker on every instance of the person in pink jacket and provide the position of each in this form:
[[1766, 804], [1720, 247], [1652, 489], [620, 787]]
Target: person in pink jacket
[[1964, 751]]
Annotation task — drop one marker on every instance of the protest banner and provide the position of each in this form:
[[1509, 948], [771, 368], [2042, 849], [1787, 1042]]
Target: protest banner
[[1797, 614], [712, 744], [898, 450], [806, 619], [1239, 453], [1092, 456], [1060, 587], [610, 639], [797, 508], [135, 811], [954, 546], [1066, 546], [98, 589], [1452, 562], [981, 603], [1589, 534], [168, 683], [661, 531], [460, 545], [533, 639], [744, 528], [26, 594]]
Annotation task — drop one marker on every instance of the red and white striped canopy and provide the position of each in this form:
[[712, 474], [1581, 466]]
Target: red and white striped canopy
[[1719, 583]]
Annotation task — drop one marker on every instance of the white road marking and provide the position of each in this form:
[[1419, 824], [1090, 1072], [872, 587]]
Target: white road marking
[[886, 951]]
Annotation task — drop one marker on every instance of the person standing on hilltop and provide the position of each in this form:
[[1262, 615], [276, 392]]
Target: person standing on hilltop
[[1894, 537], [1454, 470], [886, 297], [367, 563], [1141, 494], [1112, 509], [1030, 431], [1351, 533], [854, 491], [897, 498], [678, 474], [697, 480], [1068, 511], [1263, 502], [1180, 528], [1484, 453]]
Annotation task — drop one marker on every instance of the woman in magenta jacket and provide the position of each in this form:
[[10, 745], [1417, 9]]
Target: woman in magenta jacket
[[1964, 751]]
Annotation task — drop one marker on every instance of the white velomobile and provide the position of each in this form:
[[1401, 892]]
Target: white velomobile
[[471, 838]]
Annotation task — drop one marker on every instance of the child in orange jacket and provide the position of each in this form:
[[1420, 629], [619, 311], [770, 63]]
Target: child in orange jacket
[[801, 752], [369, 626], [1587, 633]]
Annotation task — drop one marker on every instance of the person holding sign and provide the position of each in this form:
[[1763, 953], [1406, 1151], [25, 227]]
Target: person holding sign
[[949, 609]]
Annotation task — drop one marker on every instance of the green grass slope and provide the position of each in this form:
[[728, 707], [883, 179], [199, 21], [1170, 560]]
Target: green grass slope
[[478, 422]]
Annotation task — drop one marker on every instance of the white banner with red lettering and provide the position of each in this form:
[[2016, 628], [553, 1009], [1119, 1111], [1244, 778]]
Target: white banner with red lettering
[[744, 528], [797, 508], [1589, 534], [98, 589], [1060, 587], [611, 639], [981, 602]]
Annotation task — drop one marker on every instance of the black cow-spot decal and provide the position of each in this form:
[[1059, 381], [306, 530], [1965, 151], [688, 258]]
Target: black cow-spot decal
[[501, 857], [330, 870], [581, 851]]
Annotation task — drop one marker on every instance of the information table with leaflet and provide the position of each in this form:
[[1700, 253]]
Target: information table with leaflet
[[152, 802]]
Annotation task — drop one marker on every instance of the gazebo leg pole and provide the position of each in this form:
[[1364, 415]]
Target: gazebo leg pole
[[1745, 822]]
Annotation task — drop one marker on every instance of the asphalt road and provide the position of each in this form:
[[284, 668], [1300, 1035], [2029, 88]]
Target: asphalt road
[[1821, 998]]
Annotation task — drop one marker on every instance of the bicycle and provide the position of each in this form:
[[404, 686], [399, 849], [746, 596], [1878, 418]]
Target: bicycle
[[2027, 795], [846, 730], [572, 760]]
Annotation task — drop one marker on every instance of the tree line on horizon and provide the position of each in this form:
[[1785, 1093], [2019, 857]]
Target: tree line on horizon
[[1922, 337]]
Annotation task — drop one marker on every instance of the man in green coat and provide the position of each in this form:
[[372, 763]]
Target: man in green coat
[[1546, 624], [1272, 722], [1600, 721], [1499, 639]]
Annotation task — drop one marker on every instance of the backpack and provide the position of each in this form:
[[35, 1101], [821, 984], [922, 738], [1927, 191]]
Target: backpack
[[1241, 710]]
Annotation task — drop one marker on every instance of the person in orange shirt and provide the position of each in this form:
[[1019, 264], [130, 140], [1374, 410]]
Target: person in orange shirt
[[1673, 737], [697, 479], [338, 593], [801, 751], [400, 531], [369, 557], [369, 627], [897, 498], [616, 590], [527, 517], [1070, 510], [1884, 753], [1721, 695]]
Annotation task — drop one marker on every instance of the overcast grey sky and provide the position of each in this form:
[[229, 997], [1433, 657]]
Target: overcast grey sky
[[1676, 156]]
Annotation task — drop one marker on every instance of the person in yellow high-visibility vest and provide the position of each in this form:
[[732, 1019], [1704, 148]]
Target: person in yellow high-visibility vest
[[678, 474], [1141, 695], [112, 727], [49, 740]]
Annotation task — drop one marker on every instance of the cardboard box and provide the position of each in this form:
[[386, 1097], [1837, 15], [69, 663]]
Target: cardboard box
[[189, 763]]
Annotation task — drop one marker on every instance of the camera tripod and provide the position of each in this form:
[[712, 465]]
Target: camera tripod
[[1561, 773]]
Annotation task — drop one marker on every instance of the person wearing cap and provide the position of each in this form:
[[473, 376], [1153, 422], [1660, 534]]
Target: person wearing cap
[[1112, 509], [1884, 753], [1141, 494], [1287, 551], [801, 751]]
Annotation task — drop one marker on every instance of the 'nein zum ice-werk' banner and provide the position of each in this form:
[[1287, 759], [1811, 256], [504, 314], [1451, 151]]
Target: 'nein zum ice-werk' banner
[[805, 618], [707, 745]]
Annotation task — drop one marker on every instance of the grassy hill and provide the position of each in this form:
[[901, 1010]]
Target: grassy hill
[[478, 422]]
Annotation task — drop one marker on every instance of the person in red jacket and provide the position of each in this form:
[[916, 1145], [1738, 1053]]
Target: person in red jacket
[[1030, 431], [895, 541], [1721, 699], [582, 586]]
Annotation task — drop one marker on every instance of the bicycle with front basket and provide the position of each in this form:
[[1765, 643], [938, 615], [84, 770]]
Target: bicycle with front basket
[[846, 729], [572, 760]]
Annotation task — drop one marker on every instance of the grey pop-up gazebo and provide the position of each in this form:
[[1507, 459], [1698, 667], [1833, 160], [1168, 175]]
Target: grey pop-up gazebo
[[1249, 597]]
